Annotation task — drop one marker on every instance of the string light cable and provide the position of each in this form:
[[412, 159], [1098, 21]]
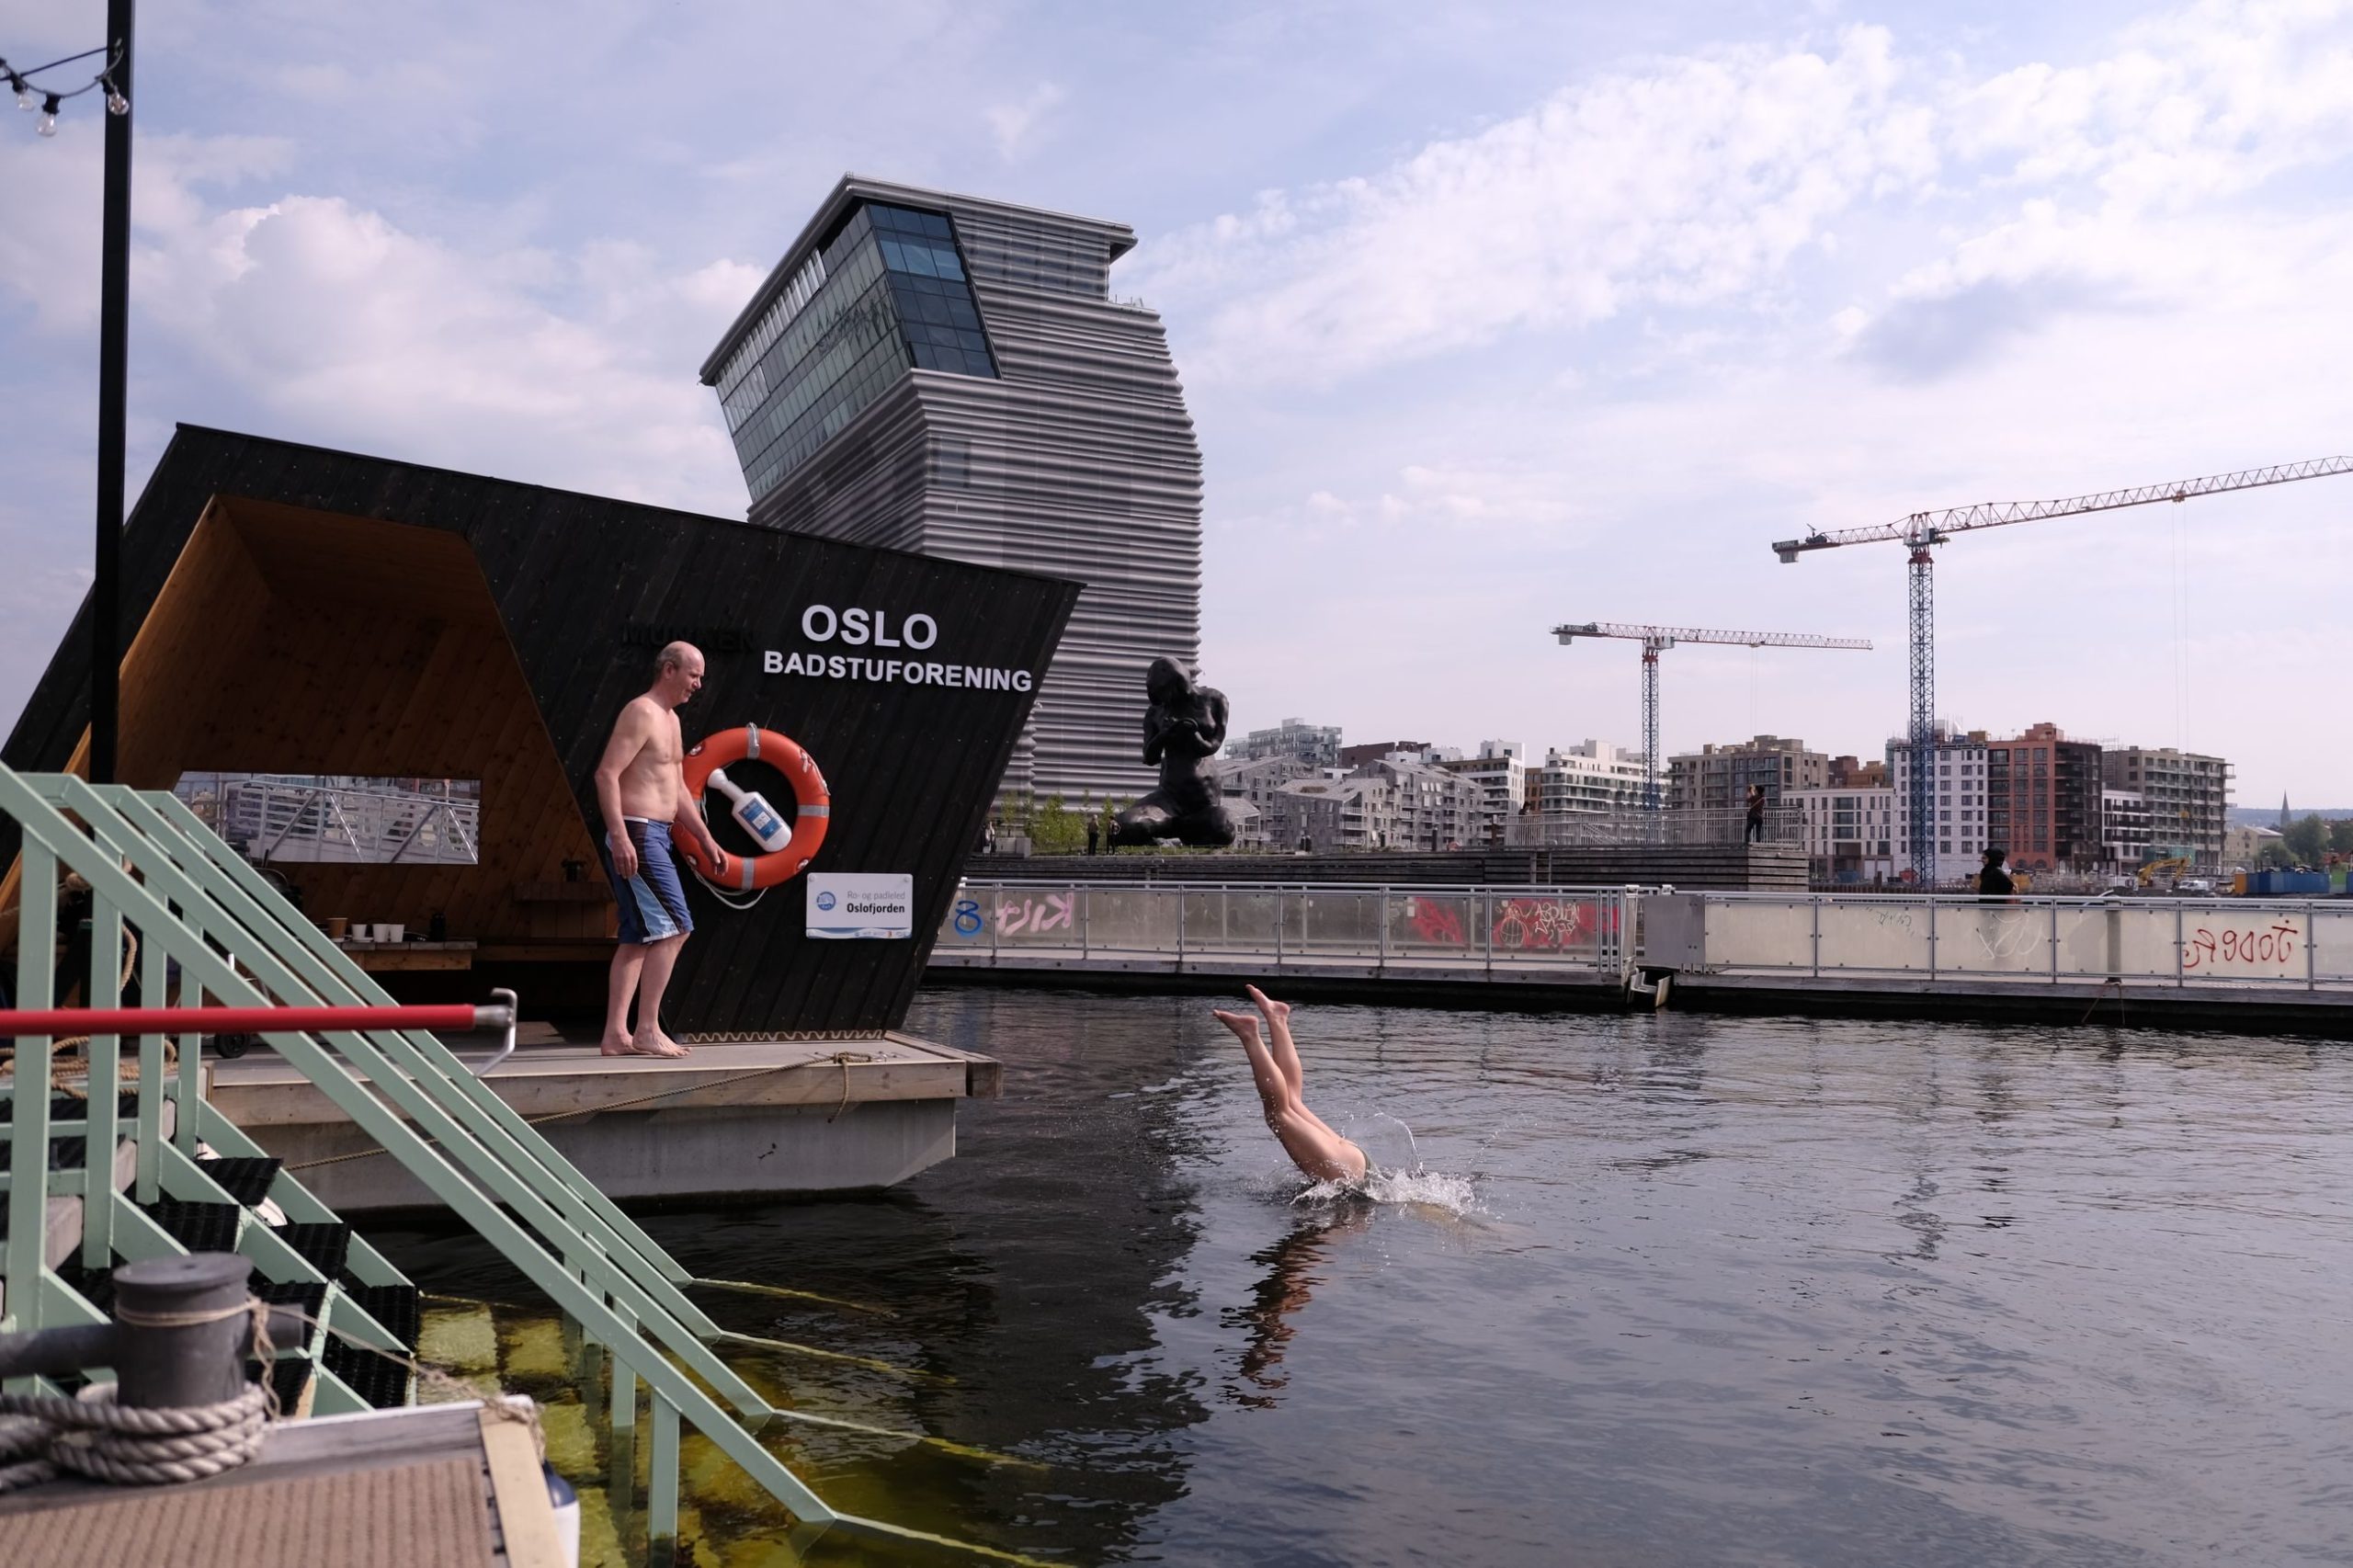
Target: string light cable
[[38, 97]]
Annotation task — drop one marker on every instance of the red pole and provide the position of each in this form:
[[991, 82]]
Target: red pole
[[456, 1017]]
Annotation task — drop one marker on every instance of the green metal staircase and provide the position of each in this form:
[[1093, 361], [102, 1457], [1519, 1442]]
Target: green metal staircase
[[209, 927]]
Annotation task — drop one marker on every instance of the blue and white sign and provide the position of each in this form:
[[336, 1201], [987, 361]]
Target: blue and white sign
[[849, 904]]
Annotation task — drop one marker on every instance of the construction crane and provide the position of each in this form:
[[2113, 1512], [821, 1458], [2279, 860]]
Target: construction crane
[[1656, 640], [1922, 531]]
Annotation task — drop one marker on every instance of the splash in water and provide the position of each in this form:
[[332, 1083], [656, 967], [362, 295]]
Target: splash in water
[[1398, 1174]]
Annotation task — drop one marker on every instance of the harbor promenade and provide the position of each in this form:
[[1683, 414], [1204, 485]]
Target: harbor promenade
[[2227, 963]]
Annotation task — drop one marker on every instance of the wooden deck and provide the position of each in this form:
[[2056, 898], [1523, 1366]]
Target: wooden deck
[[750, 1118], [442, 1485], [551, 1075]]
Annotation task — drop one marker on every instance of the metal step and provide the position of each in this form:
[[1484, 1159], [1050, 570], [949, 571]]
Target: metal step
[[247, 1180], [200, 1227], [325, 1245]]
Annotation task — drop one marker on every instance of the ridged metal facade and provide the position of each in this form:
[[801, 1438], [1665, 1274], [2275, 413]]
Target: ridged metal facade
[[1078, 461]]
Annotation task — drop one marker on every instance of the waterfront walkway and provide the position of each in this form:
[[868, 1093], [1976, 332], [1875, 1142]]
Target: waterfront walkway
[[2230, 963]]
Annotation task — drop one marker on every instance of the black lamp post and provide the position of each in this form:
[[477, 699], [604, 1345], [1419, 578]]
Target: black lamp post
[[114, 306]]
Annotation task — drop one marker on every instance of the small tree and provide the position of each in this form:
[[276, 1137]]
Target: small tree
[[1056, 829], [2307, 839], [2340, 836]]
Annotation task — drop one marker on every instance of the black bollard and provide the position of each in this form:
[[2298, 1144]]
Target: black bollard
[[160, 1361], [163, 1365]]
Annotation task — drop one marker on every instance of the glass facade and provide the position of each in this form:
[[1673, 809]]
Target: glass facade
[[888, 291]]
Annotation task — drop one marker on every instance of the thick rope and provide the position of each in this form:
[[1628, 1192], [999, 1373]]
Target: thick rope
[[42, 1435], [91, 1434]]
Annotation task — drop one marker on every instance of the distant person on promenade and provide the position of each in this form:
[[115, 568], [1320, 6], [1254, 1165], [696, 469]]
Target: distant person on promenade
[[1755, 814], [642, 794], [1994, 883], [1093, 834], [1314, 1148]]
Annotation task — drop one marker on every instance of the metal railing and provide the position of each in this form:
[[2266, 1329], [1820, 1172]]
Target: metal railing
[[206, 920], [2185, 943], [1515, 932], [1784, 827], [294, 819]]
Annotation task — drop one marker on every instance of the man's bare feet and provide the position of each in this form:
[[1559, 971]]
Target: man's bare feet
[[654, 1047], [1244, 1025]]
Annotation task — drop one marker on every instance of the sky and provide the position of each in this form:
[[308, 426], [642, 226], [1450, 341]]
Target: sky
[[1489, 316]]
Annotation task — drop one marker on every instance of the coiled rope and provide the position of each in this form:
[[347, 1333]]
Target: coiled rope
[[91, 1436]]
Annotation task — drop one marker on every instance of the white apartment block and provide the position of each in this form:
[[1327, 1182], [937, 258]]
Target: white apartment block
[[1593, 777], [1849, 834], [1319, 744], [1960, 806], [2123, 830]]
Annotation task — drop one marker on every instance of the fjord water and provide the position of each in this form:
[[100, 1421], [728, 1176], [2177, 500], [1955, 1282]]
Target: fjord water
[[1676, 1290]]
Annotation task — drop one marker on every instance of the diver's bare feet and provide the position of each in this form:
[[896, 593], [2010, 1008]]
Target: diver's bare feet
[[1276, 1011], [1244, 1025], [617, 1046]]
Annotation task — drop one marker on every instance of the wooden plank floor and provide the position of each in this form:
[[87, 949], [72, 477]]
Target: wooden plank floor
[[559, 1074], [399, 1456]]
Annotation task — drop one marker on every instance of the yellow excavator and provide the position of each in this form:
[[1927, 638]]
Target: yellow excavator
[[2167, 869]]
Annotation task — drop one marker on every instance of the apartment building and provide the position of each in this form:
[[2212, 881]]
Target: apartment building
[[1317, 745], [1717, 777], [1591, 778], [1961, 805], [2043, 801], [2189, 797], [1502, 775], [1331, 813], [1849, 832], [1430, 807]]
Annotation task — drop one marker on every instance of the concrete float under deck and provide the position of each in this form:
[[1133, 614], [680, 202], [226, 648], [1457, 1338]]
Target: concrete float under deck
[[752, 1118]]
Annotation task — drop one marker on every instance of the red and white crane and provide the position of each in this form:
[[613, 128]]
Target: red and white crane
[[1655, 639], [1922, 531]]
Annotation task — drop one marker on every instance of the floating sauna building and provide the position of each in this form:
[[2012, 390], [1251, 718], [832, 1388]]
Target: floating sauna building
[[950, 375], [291, 610]]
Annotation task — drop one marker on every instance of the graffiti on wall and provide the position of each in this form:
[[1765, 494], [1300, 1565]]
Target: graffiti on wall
[[2252, 951], [1545, 924], [1517, 924], [1046, 912]]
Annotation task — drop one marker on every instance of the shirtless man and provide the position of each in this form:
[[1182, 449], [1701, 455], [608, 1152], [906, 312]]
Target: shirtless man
[[641, 793], [1314, 1148]]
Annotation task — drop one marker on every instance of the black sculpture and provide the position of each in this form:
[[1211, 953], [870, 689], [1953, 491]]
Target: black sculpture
[[1183, 729]]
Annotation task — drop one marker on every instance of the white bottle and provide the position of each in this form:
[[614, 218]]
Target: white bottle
[[752, 811]]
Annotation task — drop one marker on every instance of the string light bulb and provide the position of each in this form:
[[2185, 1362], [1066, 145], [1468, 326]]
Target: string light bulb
[[116, 102], [47, 124], [27, 98]]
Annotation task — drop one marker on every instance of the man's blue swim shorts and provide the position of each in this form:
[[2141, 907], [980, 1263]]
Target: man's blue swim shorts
[[654, 901]]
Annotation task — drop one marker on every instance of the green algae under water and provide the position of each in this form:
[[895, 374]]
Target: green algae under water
[[1667, 1290]]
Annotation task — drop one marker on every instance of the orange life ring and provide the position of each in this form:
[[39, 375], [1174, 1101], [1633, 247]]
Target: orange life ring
[[813, 808]]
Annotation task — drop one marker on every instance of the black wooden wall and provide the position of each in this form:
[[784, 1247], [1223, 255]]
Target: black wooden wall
[[584, 584]]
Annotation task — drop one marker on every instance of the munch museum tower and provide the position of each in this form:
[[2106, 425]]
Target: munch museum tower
[[952, 376]]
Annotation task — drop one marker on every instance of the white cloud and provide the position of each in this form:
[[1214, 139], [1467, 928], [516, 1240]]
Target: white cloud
[[1012, 125], [1683, 186], [1701, 182], [524, 362]]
